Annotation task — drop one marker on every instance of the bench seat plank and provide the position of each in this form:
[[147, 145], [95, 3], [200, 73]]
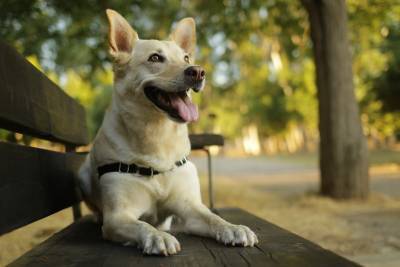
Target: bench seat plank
[[81, 244]]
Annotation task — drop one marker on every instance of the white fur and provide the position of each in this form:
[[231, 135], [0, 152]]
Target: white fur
[[137, 210]]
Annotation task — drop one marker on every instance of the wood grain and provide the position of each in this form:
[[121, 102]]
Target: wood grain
[[81, 245], [30, 103], [34, 183]]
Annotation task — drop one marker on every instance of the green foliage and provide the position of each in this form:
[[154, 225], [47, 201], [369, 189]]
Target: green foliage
[[376, 37], [257, 55], [389, 81]]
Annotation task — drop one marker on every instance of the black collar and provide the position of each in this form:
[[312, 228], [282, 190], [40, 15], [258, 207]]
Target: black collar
[[132, 168]]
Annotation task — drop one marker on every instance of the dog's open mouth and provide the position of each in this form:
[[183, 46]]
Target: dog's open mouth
[[176, 104]]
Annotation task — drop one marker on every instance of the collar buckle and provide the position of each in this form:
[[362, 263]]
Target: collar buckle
[[122, 166], [181, 162]]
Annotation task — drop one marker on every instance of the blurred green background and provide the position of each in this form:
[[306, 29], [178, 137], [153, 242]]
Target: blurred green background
[[260, 92]]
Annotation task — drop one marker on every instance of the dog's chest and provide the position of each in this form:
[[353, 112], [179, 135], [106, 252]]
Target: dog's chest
[[156, 213], [155, 216]]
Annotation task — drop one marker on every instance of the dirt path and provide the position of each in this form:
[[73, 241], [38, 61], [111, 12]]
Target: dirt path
[[278, 189]]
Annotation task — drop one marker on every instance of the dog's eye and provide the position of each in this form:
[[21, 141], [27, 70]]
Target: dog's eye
[[187, 59], [156, 58]]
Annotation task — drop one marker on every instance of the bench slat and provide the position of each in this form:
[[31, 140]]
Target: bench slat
[[81, 245], [30, 103], [200, 141], [34, 183]]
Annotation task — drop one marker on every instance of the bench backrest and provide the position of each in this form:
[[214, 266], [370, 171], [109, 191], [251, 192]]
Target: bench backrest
[[35, 183]]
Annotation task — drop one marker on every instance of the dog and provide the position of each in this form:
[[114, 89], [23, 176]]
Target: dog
[[136, 176]]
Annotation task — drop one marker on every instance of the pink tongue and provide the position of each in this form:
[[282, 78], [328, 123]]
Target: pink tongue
[[186, 109]]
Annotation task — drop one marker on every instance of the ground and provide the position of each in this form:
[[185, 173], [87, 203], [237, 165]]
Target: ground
[[282, 189]]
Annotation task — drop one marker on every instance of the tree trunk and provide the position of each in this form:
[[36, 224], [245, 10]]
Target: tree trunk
[[343, 150]]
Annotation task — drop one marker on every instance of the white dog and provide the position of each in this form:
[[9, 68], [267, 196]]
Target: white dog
[[136, 175]]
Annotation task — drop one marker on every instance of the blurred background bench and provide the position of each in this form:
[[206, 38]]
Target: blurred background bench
[[203, 142]]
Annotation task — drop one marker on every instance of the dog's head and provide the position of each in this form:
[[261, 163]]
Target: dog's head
[[156, 74]]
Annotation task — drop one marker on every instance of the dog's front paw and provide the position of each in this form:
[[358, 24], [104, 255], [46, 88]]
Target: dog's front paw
[[160, 243], [236, 235]]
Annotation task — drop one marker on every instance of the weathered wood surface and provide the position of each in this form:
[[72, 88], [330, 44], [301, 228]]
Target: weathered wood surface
[[34, 183], [200, 141], [81, 245], [30, 103]]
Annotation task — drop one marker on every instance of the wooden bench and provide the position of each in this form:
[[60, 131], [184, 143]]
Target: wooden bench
[[35, 183]]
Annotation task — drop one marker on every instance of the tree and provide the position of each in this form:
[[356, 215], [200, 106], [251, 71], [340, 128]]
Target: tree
[[257, 56], [343, 149]]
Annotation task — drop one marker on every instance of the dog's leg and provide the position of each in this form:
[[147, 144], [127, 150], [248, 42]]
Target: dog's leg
[[131, 231], [197, 218], [122, 207], [166, 224]]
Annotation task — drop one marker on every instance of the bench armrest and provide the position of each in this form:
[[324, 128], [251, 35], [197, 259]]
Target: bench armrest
[[200, 141]]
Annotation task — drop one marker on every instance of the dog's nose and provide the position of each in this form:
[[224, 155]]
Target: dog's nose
[[195, 73]]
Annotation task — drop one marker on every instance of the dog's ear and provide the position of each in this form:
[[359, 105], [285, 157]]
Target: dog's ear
[[121, 37], [185, 35]]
